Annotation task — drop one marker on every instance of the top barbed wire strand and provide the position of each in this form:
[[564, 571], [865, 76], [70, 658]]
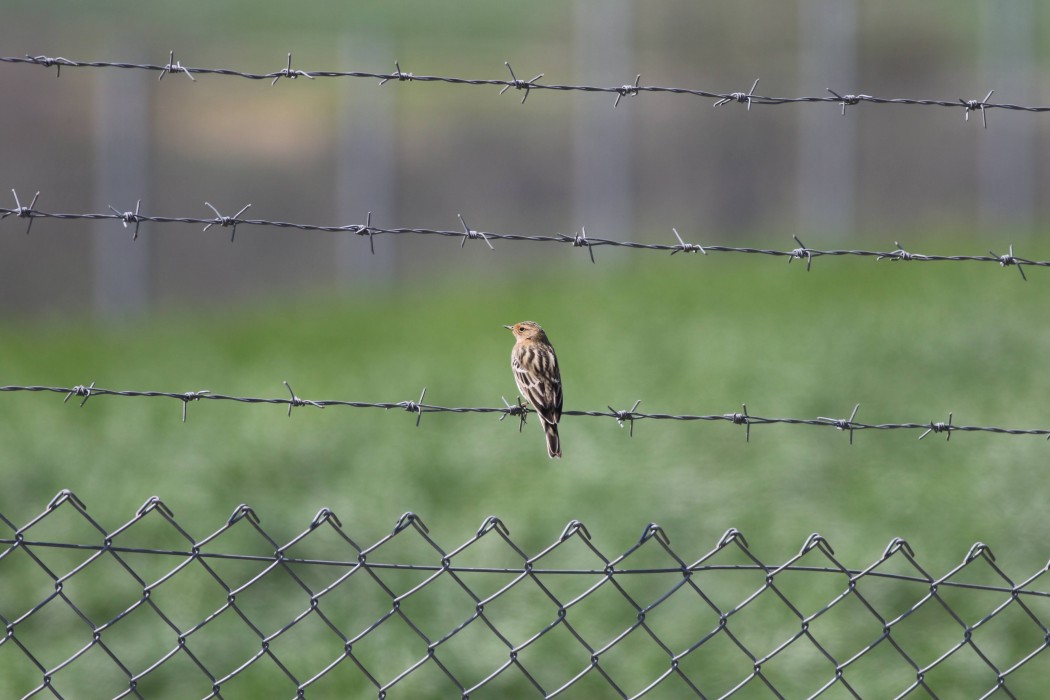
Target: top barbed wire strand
[[748, 98], [578, 240]]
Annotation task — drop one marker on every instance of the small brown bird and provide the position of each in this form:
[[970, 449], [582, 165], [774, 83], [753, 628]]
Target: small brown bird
[[536, 373]]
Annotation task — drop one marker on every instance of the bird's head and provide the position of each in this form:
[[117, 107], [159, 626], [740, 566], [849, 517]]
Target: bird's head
[[527, 330]]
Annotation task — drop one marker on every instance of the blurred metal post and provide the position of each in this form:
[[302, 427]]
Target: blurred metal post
[[120, 267], [827, 140], [603, 137], [1006, 155], [366, 161]]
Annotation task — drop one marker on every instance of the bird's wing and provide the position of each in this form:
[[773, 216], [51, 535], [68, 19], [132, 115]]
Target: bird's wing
[[543, 392]]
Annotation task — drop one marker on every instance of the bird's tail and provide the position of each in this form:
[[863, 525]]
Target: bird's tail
[[553, 441]]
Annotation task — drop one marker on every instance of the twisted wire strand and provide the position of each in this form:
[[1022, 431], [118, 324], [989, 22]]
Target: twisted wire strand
[[623, 417], [749, 98], [464, 234]]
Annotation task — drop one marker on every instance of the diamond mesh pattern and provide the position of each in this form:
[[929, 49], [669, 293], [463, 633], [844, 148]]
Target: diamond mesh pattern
[[150, 611]]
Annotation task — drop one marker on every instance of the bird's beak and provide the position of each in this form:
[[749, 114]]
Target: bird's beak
[[509, 328]]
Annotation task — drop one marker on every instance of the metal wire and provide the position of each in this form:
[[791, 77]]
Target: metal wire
[[518, 629], [749, 98], [521, 411], [579, 240]]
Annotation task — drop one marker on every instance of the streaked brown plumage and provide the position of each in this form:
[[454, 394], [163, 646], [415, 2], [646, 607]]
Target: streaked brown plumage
[[538, 378]]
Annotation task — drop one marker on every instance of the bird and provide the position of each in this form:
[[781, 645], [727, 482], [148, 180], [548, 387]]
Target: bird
[[538, 378]]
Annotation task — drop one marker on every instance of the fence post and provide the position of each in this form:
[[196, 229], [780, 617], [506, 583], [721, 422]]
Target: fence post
[[827, 144], [120, 267], [366, 160], [1006, 166], [603, 138]]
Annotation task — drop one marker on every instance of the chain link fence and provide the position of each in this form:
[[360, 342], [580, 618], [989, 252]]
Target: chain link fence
[[149, 610]]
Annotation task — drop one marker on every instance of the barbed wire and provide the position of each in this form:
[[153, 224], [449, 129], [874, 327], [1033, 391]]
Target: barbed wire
[[623, 417], [579, 240], [749, 98], [673, 617]]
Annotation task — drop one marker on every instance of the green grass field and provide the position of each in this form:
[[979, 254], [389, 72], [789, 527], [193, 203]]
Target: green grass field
[[688, 334]]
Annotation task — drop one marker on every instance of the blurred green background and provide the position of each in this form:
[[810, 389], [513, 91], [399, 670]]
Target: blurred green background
[[685, 334]]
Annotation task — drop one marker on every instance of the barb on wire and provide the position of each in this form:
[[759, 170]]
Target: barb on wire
[[293, 402], [749, 98], [22, 212], [287, 72], [626, 416], [626, 90], [465, 233], [519, 410], [580, 240], [1009, 259], [85, 391], [416, 407], [844, 424], [170, 67], [941, 427], [469, 233], [742, 97], [741, 418], [848, 100], [525, 85], [300, 585], [398, 75], [226, 221], [684, 247], [198, 395], [802, 252], [57, 62], [901, 254], [974, 105], [130, 217]]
